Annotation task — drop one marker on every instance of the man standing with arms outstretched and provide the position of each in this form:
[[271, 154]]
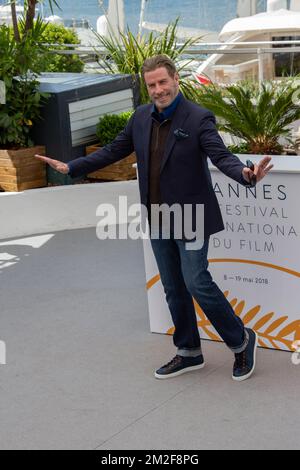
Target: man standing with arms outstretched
[[172, 138]]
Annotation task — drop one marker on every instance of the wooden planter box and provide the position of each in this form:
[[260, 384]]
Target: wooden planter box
[[118, 171], [19, 169]]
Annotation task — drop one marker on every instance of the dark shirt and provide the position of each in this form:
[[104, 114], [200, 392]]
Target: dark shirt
[[161, 123]]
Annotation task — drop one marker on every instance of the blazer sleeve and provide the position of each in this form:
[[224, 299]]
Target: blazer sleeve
[[214, 147], [119, 148]]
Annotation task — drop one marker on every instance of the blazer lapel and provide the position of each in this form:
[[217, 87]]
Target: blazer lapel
[[146, 139], [178, 119]]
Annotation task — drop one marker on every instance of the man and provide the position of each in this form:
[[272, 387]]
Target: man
[[172, 139]]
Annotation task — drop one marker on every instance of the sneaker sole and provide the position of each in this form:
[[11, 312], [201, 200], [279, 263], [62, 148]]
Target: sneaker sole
[[245, 377], [179, 372]]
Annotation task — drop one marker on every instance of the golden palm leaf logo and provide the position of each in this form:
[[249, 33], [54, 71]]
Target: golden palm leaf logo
[[265, 326]]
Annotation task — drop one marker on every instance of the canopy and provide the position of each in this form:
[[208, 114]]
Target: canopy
[[279, 20]]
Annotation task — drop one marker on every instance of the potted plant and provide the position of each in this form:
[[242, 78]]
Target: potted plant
[[20, 107], [108, 128], [258, 115], [21, 101]]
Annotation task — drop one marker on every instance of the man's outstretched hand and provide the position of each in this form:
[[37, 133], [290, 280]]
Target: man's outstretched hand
[[260, 170], [56, 164]]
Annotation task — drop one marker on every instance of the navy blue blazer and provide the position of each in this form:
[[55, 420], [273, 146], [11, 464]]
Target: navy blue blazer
[[184, 174]]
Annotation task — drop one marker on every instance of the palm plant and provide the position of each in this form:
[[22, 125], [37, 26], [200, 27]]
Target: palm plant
[[127, 54], [259, 115], [29, 8]]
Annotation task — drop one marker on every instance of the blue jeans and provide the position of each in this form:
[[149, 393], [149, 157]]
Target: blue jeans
[[184, 275]]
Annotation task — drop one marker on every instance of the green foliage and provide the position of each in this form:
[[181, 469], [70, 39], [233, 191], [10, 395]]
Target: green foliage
[[50, 62], [28, 49], [242, 148], [127, 55], [23, 100], [110, 125], [259, 115], [19, 114], [46, 60]]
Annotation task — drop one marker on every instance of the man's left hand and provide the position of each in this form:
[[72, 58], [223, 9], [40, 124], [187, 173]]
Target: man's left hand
[[260, 170]]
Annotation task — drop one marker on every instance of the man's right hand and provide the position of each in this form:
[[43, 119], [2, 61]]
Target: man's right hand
[[56, 164]]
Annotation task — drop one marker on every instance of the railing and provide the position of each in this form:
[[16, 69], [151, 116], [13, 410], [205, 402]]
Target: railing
[[201, 50]]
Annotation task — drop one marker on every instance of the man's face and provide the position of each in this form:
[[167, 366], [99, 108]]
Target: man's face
[[162, 88]]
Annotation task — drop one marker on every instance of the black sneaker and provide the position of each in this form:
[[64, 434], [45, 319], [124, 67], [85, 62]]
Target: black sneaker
[[245, 361], [180, 365]]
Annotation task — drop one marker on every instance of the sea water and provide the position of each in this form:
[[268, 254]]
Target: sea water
[[200, 14]]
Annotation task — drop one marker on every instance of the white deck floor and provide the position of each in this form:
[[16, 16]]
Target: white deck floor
[[80, 361]]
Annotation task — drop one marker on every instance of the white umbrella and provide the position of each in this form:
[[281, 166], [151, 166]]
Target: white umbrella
[[115, 17]]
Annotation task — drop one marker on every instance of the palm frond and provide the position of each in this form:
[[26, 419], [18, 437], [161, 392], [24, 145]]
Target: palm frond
[[51, 3], [259, 115], [128, 53]]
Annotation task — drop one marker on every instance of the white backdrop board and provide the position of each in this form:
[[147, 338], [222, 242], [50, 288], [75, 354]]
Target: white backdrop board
[[255, 260]]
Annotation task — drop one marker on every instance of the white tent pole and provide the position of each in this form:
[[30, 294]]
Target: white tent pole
[[260, 65], [142, 13]]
